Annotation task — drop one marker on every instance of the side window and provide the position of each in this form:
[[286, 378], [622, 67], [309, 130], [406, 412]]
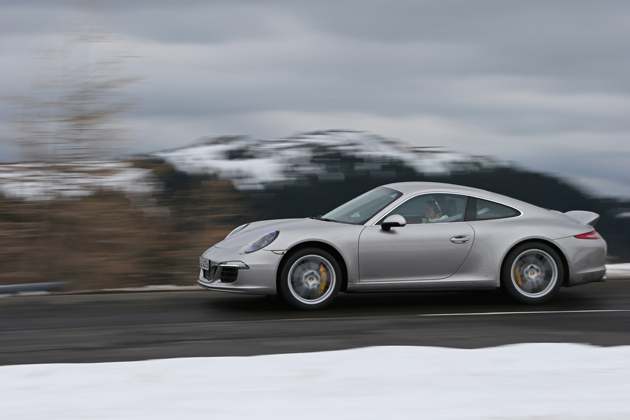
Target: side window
[[433, 208], [489, 210]]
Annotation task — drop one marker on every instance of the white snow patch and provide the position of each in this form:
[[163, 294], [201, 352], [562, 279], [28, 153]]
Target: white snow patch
[[46, 181], [523, 381], [618, 271]]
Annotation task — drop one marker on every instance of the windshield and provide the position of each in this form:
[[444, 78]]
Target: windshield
[[361, 209]]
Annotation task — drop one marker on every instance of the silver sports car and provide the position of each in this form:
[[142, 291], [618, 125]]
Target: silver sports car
[[410, 236]]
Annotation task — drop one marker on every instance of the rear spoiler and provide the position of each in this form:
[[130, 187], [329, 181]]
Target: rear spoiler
[[584, 217]]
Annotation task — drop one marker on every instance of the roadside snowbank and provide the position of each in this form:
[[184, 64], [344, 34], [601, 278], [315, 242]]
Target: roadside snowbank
[[618, 271], [524, 381]]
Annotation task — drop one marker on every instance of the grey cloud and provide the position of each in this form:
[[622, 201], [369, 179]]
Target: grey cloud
[[506, 70]]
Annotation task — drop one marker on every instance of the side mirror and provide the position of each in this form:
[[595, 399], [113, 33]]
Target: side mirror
[[395, 220]]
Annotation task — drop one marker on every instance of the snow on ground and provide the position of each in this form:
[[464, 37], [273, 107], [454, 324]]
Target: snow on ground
[[618, 271], [524, 381], [39, 181]]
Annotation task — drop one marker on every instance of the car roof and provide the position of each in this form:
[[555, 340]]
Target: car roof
[[416, 187], [439, 187]]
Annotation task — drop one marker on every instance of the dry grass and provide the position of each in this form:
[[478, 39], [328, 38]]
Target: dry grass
[[108, 240]]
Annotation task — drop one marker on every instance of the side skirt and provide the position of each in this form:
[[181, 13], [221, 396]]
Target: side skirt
[[437, 285]]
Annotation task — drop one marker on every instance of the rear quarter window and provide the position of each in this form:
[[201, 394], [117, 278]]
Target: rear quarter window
[[479, 209]]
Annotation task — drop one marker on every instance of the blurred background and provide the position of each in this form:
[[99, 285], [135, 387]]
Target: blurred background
[[134, 135]]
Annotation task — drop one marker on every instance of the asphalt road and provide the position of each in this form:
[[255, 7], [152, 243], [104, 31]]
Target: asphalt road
[[72, 328]]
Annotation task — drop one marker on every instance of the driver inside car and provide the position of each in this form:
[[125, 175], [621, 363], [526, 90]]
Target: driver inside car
[[434, 212]]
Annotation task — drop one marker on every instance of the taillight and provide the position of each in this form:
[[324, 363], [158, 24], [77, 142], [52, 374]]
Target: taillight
[[590, 235]]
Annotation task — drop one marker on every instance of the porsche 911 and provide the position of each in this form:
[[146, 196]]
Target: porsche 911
[[410, 236]]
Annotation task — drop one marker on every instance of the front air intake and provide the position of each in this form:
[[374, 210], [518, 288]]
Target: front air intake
[[229, 274], [209, 274]]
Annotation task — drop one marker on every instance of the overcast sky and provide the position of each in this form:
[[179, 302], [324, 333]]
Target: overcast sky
[[545, 84]]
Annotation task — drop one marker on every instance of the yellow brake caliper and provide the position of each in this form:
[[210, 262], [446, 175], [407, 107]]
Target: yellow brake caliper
[[517, 276], [322, 285]]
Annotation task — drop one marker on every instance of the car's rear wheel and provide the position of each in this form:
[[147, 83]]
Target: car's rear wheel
[[532, 273], [310, 279]]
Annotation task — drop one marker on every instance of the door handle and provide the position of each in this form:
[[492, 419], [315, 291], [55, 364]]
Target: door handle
[[460, 239]]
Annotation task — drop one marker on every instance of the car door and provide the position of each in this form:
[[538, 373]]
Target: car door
[[421, 250]]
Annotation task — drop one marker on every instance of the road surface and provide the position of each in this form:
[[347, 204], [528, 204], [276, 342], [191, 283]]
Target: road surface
[[102, 327]]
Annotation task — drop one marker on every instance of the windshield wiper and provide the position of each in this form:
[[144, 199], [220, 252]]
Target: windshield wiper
[[323, 219]]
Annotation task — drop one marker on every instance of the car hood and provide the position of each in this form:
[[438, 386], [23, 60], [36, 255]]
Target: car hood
[[255, 230]]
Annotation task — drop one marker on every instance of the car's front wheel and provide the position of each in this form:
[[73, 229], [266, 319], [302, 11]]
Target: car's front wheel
[[310, 279], [532, 273]]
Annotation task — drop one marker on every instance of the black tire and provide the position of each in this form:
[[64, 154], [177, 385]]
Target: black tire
[[532, 273], [310, 279]]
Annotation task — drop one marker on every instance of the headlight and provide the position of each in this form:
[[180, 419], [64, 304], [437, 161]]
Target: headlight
[[237, 230], [262, 242]]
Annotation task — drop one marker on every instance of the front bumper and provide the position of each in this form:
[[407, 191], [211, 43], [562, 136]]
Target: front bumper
[[258, 278]]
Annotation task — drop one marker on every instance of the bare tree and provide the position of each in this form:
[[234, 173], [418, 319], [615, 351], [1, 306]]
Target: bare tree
[[75, 112], [76, 109]]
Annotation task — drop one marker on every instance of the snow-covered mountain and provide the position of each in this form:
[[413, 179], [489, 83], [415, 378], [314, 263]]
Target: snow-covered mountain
[[251, 164], [248, 163]]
